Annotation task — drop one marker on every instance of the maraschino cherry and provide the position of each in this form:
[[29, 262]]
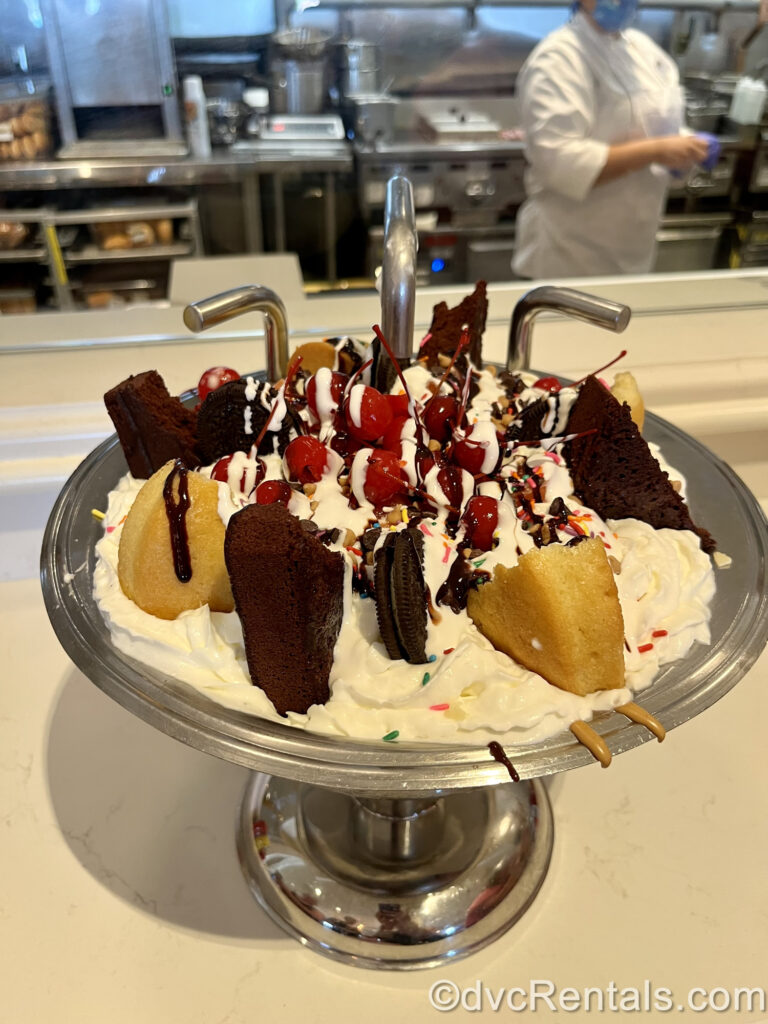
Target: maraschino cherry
[[270, 492], [372, 416], [469, 454], [391, 439], [221, 472], [384, 482], [439, 417], [213, 378], [338, 383], [550, 384], [481, 517], [306, 459]]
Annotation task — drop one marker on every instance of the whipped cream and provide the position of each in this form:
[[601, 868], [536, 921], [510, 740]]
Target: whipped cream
[[468, 692]]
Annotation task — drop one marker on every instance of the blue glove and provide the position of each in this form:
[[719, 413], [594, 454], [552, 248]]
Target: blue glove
[[710, 160], [713, 151]]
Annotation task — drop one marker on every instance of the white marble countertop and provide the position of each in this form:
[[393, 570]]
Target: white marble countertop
[[122, 899]]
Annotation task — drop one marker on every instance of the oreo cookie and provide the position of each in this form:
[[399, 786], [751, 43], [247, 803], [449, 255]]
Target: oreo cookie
[[528, 424], [401, 596], [232, 417]]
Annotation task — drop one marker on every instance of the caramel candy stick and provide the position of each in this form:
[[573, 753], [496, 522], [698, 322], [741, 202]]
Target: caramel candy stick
[[643, 717], [593, 741]]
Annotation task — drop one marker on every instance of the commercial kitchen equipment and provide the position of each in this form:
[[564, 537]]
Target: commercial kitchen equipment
[[689, 241], [358, 68], [299, 71], [466, 176], [113, 72]]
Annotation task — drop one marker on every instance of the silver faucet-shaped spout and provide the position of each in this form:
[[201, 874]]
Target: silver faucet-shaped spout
[[398, 280], [248, 299], [398, 272], [613, 316]]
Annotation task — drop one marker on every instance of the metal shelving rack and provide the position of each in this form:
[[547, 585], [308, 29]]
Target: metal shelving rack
[[58, 258]]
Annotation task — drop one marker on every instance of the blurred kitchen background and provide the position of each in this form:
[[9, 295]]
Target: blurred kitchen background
[[135, 134]]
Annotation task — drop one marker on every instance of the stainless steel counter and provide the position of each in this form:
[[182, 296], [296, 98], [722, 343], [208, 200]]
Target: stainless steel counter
[[414, 147], [244, 169], [220, 167]]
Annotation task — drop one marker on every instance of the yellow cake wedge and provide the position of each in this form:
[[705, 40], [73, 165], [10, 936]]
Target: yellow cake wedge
[[147, 563], [557, 612]]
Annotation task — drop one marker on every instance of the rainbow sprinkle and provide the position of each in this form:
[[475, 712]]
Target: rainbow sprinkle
[[98, 514], [644, 647], [433, 657], [439, 707], [447, 554], [425, 531], [391, 736], [425, 679]]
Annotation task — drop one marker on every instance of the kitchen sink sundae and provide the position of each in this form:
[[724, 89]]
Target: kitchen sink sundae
[[454, 555]]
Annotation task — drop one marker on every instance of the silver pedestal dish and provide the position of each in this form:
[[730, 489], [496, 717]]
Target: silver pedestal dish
[[396, 855]]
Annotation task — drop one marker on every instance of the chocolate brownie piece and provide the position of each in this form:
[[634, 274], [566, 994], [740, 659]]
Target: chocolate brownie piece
[[151, 424], [288, 591], [232, 417], [613, 469], [447, 325]]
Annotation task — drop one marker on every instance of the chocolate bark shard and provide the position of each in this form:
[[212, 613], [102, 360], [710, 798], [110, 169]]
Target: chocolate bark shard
[[447, 325], [614, 471], [232, 417], [289, 594], [152, 426]]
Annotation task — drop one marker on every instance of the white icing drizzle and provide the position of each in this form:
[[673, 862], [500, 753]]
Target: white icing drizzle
[[326, 406], [355, 403], [358, 472]]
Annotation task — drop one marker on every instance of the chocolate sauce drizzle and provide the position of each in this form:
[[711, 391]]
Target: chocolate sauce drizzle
[[497, 753], [177, 521], [462, 577]]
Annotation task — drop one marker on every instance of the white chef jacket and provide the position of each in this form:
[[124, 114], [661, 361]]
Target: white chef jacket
[[581, 91]]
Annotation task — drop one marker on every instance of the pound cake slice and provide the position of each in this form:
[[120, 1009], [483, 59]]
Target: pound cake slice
[[171, 553], [151, 424], [613, 469], [289, 594], [557, 612]]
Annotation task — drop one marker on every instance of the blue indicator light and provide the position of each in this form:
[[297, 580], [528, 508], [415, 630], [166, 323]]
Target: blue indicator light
[[438, 265]]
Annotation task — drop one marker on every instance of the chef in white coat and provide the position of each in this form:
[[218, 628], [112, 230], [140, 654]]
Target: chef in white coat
[[601, 109]]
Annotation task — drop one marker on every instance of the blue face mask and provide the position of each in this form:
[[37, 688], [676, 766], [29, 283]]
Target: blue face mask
[[614, 15]]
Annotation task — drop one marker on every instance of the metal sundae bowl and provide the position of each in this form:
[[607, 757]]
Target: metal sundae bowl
[[404, 855]]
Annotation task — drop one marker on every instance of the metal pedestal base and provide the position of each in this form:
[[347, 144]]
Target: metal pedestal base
[[394, 884]]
